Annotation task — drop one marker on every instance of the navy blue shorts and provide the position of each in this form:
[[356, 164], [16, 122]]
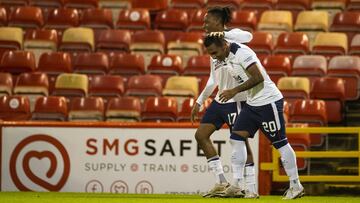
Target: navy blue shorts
[[218, 114], [268, 118]]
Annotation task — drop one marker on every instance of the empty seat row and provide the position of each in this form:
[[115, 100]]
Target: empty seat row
[[194, 4], [177, 19], [54, 63], [107, 86], [56, 108]]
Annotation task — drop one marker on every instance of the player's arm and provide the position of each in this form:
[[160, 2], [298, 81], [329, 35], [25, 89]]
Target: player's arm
[[248, 60], [255, 77], [207, 91], [238, 35]]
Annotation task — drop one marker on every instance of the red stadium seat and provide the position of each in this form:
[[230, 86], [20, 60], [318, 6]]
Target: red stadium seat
[[81, 4], [113, 41], [292, 44], [277, 66], [347, 68], [355, 45], [172, 19], [86, 109], [159, 109], [198, 66], [26, 17], [3, 17], [286, 111], [14, 3], [62, 18], [258, 6], [332, 91], [312, 112], [97, 18], [53, 64], [6, 84], [40, 41], [348, 22], [47, 3], [16, 62], [245, 20], [106, 86], [148, 43], [165, 65], [152, 6], [14, 108], [353, 5], [126, 64], [133, 19], [50, 108], [126, 109], [310, 65], [188, 4], [235, 4], [32, 85], [295, 6], [91, 63], [187, 105], [197, 21], [262, 44], [186, 45], [144, 85]]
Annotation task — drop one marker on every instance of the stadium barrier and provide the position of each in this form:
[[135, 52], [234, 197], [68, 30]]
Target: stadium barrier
[[274, 166], [111, 157]]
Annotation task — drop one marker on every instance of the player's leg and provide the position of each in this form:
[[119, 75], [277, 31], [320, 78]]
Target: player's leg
[[239, 152], [249, 174], [273, 126], [209, 123]]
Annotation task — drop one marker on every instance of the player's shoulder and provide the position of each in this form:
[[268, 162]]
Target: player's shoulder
[[239, 49]]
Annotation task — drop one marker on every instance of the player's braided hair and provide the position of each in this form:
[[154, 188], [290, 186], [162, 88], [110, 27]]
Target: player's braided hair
[[223, 13]]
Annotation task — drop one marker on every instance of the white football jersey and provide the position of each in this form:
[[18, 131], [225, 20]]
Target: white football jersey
[[221, 78], [240, 58]]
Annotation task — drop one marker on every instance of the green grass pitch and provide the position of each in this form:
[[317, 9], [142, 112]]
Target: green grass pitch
[[50, 197]]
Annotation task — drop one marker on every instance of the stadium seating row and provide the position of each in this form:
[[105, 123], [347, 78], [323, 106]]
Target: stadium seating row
[[95, 109], [130, 109], [195, 4], [176, 19]]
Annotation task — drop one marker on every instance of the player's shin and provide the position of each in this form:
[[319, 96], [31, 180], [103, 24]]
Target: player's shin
[[250, 178], [216, 168], [238, 160], [288, 159]]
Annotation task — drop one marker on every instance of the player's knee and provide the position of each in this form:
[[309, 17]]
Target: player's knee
[[242, 134], [201, 136]]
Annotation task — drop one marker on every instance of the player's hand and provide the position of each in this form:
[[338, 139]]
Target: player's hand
[[226, 95], [194, 112], [216, 34]]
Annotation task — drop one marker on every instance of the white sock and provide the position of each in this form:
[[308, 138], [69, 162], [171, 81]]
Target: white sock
[[238, 160], [250, 178], [288, 159], [215, 166]]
